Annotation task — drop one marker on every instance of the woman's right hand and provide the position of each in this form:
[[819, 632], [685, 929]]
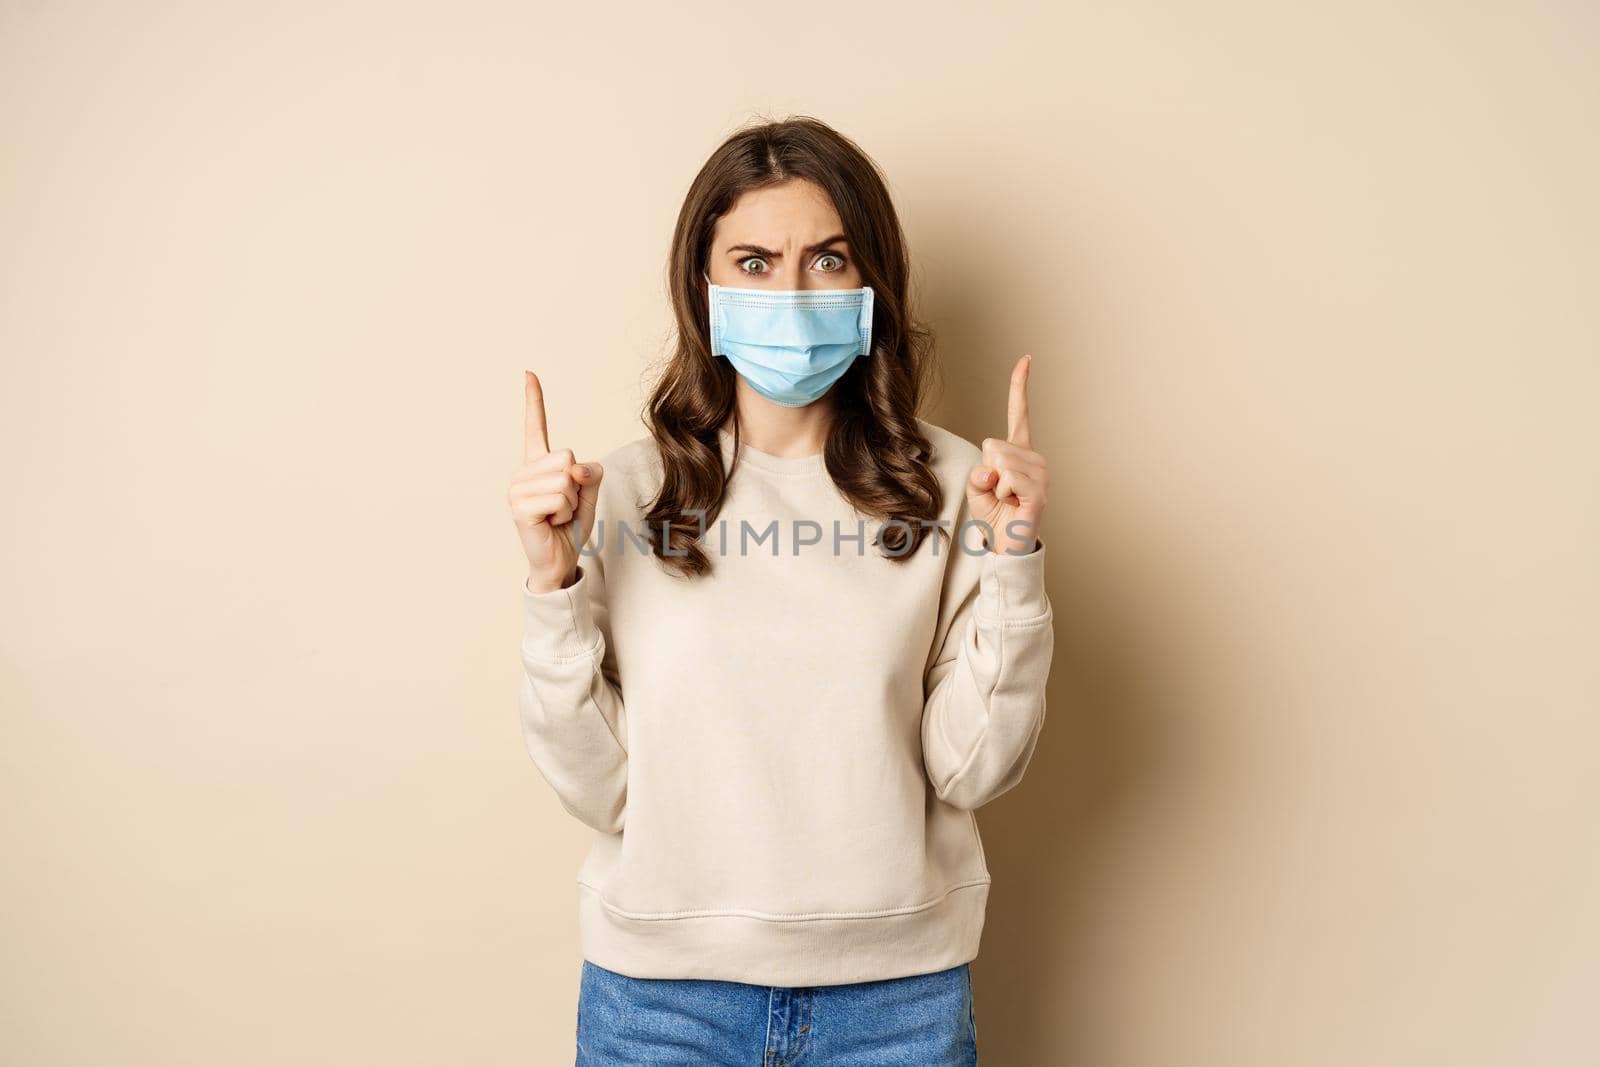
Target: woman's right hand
[[552, 500]]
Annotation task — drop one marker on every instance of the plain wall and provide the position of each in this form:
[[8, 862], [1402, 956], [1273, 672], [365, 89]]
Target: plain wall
[[1311, 291]]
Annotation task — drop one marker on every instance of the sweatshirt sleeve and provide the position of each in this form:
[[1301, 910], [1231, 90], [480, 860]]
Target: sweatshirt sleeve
[[571, 704], [986, 685]]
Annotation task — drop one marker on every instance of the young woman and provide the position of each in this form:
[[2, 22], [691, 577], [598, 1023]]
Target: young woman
[[778, 651]]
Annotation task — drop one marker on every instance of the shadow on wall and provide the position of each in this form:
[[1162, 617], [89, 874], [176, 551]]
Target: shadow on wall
[[1104, 756]]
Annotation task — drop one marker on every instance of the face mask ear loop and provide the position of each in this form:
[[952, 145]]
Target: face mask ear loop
[[866, 320], [711, 315]]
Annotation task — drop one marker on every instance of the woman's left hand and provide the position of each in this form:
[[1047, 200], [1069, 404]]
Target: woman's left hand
[[1007, 489]]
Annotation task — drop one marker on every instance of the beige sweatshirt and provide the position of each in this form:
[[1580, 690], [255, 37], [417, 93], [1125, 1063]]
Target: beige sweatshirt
[[781, 761]]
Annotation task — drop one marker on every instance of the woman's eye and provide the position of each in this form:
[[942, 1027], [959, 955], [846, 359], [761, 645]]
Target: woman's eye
[[830, 257], [747, 265]]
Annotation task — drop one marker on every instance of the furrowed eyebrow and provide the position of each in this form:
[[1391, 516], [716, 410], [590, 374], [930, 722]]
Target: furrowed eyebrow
[[757, 250]]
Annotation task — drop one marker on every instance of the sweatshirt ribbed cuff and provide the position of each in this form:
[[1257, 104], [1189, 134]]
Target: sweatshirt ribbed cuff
[[558, 625], [1011, 588]]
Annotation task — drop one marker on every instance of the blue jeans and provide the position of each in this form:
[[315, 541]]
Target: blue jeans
[[925, 1020]]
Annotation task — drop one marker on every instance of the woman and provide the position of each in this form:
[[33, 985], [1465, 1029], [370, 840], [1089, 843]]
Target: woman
[[805, 636]]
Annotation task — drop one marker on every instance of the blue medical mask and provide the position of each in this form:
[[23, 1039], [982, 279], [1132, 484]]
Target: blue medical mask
[[791, 345]]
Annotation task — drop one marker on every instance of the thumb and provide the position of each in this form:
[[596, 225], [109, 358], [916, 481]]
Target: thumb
[[981, 481], [588, 476]]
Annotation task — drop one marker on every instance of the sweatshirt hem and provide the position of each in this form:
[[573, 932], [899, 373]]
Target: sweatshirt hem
[[777, 950]]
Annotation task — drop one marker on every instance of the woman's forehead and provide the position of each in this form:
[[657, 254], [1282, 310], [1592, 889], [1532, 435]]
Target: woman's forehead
[[796, 212]]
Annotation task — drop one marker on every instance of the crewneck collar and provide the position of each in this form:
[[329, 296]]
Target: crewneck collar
[[766, 461]]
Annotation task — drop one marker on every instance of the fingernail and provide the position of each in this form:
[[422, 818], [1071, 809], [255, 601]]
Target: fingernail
[[583, 470]]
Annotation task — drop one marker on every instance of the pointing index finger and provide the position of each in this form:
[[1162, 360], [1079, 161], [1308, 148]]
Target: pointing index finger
[[535, 439], [1018, 432]]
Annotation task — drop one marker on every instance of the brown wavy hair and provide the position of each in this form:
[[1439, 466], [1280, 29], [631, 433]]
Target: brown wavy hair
[[876, 454]]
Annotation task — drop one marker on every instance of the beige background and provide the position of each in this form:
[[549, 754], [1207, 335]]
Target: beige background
[[1311, 290]]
